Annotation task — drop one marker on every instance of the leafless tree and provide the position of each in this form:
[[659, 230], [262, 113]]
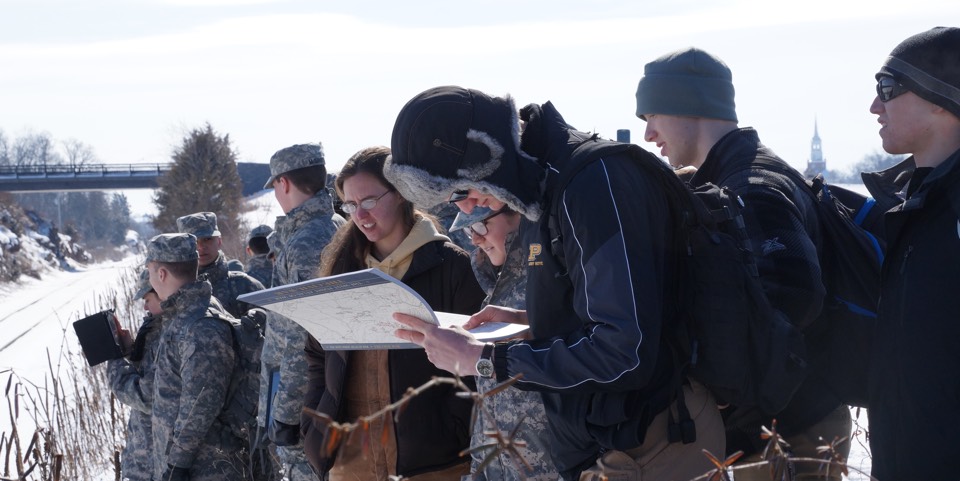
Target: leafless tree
[[78, 153], [35, 149]]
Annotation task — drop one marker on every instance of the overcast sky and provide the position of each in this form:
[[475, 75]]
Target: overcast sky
[[130, 77]]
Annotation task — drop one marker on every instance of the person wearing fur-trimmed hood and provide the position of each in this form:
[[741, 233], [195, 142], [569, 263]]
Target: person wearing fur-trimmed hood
[[598, 353]]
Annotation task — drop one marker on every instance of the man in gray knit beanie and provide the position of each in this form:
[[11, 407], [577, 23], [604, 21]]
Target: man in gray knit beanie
[[687, 82], [687, 100]]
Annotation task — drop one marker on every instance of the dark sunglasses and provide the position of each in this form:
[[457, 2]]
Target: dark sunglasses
[[458, 195], [888, 88]]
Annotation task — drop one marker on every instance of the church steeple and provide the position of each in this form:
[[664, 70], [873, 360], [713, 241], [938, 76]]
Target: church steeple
[[817, 164]]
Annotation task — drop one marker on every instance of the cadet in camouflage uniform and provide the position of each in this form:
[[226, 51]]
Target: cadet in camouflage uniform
[[505, 285], [298, 176], [195, 363], [131, 380], [227, 284], [260, 266]]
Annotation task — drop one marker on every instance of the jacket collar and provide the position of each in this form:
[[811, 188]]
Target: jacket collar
[[320, 205], [191, 297], [889, 186], [732, 152], [216, 270], [943, 180]]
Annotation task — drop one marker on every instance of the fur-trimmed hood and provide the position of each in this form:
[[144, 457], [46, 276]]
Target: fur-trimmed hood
[[450, 138]]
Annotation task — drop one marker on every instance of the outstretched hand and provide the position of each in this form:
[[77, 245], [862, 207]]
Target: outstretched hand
[[449, 348]]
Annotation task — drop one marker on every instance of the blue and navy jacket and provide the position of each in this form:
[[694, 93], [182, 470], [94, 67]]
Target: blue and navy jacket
[[598, 355]]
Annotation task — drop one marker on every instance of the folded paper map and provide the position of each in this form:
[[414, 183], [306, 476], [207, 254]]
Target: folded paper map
[[354, 311]]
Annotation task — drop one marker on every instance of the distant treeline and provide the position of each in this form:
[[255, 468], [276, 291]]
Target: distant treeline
[[870, 163], [93, 218]]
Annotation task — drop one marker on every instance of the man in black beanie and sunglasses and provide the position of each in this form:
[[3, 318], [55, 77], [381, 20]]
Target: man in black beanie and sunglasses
[[915, 370]]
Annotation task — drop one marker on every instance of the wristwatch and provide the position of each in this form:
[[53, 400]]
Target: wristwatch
[[485, 363]]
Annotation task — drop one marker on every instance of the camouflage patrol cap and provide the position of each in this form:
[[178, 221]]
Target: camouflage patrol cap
[[200, 224], [172, 248], [293, 158], [261, 230], [143, 285]]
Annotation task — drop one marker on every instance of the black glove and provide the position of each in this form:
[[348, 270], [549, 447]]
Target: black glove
[[283, 434], [175, 473]]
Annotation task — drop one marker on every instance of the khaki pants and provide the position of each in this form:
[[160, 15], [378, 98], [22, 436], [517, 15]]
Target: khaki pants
[[804, 445], [657, 459]]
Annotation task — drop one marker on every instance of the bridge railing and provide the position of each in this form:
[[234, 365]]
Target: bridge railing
[[83, 170]]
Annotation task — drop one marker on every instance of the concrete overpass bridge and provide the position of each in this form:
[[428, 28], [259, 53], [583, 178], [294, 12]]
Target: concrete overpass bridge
[[70, 178]]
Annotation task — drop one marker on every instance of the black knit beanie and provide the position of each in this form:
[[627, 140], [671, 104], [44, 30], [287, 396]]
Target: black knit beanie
[[928, 64]]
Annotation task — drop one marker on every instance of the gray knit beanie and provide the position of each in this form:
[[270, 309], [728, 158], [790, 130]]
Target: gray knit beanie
[[928, 64], [688, 82]]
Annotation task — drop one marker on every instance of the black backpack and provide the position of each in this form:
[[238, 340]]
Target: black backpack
[[732, 340], [851, 255]]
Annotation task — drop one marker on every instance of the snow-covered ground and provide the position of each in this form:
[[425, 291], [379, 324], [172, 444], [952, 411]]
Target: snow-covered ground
[[264, 209], [36, 321]]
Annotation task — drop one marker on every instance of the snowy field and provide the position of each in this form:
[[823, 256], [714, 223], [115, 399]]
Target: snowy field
[[36, 318], [264, 209]]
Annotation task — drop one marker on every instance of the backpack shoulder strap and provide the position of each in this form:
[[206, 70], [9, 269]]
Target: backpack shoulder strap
[[583, 155]]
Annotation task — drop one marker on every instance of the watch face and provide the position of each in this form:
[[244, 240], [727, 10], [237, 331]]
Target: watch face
[[485, 368]]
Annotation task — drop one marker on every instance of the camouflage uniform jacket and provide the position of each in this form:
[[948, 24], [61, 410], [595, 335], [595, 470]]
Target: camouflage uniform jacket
[[195, 362], [228, 285], [303, 233], [510, 406], [132, 383], [260, 267]]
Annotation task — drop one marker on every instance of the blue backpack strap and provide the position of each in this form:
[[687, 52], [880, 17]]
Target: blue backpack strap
[[868, 204]]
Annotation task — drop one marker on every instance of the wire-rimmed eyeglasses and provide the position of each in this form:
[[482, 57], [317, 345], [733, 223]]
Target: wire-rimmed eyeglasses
[[367, 204]]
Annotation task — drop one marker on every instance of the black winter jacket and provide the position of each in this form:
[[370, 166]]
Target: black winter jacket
[[435, 425], [915, 371], [784, 230], [596, 356]]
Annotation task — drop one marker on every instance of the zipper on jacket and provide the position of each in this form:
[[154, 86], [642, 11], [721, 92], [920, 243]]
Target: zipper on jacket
[[906, 255]]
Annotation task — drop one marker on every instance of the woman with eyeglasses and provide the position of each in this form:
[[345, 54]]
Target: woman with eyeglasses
[[500, 263], [424, 443]]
